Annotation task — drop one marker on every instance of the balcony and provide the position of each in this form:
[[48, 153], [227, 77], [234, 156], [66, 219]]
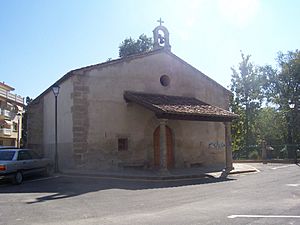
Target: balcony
[[12, 97], [6, 113], [5, 131]]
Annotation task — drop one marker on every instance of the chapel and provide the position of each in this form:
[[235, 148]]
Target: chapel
[[150, 111]]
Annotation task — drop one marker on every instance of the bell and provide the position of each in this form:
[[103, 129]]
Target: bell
[[161, 39]]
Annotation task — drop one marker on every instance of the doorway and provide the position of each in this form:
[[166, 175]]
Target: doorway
[[156, 145]]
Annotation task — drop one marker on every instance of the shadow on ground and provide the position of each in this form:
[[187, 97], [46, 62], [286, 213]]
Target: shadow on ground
[[62, 187]]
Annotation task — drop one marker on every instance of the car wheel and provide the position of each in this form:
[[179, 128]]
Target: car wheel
[[18, 178]]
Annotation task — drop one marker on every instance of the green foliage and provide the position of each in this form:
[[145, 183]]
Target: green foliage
[[238, 137], [284, 83], [254, 155], [263, 97], [246, 84], [270, 126], [28, 100], [130, 47], [283, 89]]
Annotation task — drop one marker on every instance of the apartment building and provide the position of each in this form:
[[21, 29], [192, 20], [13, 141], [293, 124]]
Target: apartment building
[[11, 109]]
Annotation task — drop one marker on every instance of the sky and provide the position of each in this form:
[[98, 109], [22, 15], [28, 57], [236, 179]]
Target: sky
[[42, 40]]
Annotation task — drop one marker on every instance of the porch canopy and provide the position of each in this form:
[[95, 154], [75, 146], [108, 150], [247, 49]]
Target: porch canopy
[[179, 107]]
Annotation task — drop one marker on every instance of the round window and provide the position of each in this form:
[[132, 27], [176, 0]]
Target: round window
[[164, 80]]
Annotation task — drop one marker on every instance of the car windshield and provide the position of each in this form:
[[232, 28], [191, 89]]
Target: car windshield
[[6, 155]]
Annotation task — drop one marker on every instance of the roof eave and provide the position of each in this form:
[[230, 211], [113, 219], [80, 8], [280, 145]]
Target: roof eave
[[130, 96], [174, 116]]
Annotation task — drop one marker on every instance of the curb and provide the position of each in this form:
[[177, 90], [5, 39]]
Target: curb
[[149, 178], [283, 161], [158, 177], [244, 171]]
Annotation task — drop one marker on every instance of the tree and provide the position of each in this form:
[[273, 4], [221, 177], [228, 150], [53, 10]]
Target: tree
[[283, 90], [277, 121], [130, 47], [270, 126], [24, 122], [237, 127], [246, 84]]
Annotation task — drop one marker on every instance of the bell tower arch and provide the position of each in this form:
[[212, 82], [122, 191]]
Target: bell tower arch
[[161, 37]]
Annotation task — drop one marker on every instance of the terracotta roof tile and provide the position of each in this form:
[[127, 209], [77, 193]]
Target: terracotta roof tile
[[179, 107]]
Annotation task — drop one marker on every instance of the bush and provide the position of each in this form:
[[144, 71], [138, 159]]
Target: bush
[[253, 155]]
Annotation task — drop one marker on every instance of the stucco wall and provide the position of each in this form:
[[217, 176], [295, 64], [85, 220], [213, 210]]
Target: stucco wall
[[198, 143], [110, 117], [143, 74]]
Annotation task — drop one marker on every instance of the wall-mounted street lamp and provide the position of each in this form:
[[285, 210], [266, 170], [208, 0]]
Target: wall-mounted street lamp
[[291, 105], [55, 90]]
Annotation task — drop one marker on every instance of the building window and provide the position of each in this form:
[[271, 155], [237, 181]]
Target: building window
[[123, 144], [164, 80]]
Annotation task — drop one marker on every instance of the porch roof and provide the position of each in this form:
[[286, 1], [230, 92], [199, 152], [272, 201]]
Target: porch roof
[[179, 107]]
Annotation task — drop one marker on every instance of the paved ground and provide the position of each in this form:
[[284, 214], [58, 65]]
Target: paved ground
[[170, 175], [271, 196]]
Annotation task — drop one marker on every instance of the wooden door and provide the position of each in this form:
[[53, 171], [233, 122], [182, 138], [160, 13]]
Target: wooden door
[[156, 145]]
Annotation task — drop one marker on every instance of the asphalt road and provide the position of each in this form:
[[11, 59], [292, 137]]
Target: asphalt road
[[271, 196]]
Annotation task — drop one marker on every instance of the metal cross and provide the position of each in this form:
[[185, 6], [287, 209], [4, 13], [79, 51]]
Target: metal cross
[[160, 21]]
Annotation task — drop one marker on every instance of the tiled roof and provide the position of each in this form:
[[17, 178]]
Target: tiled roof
[[179, 107]]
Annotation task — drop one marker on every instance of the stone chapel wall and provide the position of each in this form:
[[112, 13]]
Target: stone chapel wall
[[110, 117]]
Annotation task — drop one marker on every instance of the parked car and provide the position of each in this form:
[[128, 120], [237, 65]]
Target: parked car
[[5, 147], [16, 163]]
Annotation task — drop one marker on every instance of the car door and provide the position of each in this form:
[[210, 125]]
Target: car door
[[25, 162], [37, 162]]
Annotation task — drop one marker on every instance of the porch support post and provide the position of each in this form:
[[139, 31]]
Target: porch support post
[[228, 150], [163, 145]]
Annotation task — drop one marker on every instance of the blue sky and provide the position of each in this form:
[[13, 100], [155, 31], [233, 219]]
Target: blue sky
[[41, 40]]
